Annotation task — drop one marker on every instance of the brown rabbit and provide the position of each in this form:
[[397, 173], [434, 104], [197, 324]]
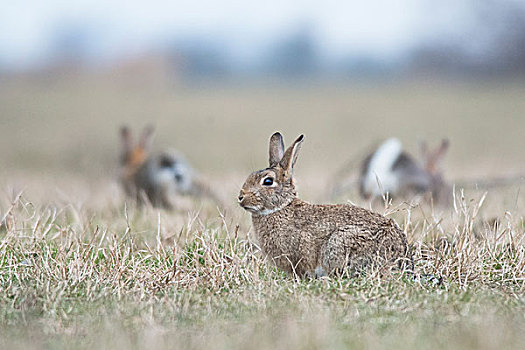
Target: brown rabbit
[[159, 178], [391, 170], [310, 239]]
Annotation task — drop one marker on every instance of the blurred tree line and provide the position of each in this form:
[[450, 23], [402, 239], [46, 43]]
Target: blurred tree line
[[489, 44]]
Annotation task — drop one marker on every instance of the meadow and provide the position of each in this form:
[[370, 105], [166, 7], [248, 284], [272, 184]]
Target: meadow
[[82, 268]]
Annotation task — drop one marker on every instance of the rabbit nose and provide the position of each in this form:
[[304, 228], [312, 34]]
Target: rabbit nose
[[241, 196]]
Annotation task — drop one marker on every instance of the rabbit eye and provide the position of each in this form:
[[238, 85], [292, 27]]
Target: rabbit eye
[[166, 162], [268, 181]]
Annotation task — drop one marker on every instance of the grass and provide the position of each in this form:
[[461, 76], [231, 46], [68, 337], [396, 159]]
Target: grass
[[125, 279], [81, 269]]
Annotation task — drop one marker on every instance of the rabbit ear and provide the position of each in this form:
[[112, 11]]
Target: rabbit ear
[[146, 139], [433, 158], [439, 153], [276, 149], [445, 143], [290, 156], [126, 138], [423, 149]]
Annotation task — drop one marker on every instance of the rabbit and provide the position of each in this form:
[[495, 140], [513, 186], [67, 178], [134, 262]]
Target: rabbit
[[158, 178], [310, 239], [391, 170]]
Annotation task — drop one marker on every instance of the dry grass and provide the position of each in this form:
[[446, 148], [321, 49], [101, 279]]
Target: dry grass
[[79, 269], [71, 278]]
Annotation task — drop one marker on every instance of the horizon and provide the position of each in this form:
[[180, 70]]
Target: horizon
[[36, 35]]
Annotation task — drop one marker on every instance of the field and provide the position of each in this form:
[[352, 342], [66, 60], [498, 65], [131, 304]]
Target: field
[[79, 268]]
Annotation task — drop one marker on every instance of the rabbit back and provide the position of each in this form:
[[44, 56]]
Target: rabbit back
[[390, 170], [411, 177], [362, 238], [303, 237]]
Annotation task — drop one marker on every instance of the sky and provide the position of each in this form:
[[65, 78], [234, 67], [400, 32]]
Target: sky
[[382, 28]]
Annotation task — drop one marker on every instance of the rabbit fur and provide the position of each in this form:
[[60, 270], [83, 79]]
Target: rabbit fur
[[158, 178], [391, 170], [309, 239]]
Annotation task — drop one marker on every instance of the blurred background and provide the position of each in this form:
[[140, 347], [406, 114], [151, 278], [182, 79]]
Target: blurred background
[[185, 42], [217, 78]]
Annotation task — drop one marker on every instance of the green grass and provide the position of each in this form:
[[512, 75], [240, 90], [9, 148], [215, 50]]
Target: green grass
[[79, 269], [71, 283]]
